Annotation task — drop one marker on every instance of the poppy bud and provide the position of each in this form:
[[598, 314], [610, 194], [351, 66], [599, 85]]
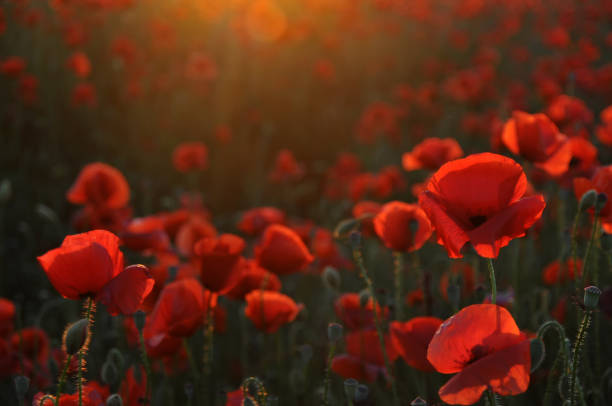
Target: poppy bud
[[538, 353], [114, 400], [364, 298], [602, 199], [334, 332], [109, 373], [331, 278], [22, 384], [115, 356], [588, 200], [140, 319], [5, 191], [418, 401], [361, 393], [75, 336], [591, 297], [350, 387], [355, 239]]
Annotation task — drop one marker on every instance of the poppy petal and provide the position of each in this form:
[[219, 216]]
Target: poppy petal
[[126, 291]]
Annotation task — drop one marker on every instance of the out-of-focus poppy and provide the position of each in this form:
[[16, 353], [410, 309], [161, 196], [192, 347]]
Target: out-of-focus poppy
[[7, 317], [79, 63], [378, 119], [604, 131], [366, 208], [218, 257], [180, 309], [256, 220], [84, 94], [133, 386], [99, 184], [402, 226], [479, 199], [249, 277], [146, 234], [28, 88], [191, 232], [13, 66], [269, 310], [200, 67], [411, 339], [354, 316], [556, 273], [567, 110], [484, 346], [33, 343], [190, 156], [601, 181], [265, 21], [91, 265], [364, 359], [431, 153], [536, 138], [282, 251], [90, 397], [99, 217], [286, 167], [466, 275]]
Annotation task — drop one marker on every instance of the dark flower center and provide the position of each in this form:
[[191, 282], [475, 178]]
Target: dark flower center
[[477, 220], [479, 352], [574, 162]]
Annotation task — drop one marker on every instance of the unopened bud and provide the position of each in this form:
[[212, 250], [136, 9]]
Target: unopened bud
[[345, 227], [109, 373], [591, 297], [602, 199], [22, 384], [140, 318], [115, 356], [331, 278], [350, 386], [361, 393], [114, 400], [75, 336], [188, 388], [588, 200], [418, 401], [355, 239], [334, 332], [364, 298]]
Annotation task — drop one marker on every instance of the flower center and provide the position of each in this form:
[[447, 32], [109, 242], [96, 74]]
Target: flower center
[[477, 220]]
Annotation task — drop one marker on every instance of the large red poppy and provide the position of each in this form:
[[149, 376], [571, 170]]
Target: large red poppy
[[484, 346], [218, 257], [100, 185], [479, 199], [431, 153], [411, 339], [282, 251], [91, 265], [269, 310], [402, 226], [536, 138], [602, 183]]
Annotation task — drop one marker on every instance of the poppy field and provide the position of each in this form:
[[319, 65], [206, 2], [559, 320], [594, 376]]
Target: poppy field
[[305, 202]]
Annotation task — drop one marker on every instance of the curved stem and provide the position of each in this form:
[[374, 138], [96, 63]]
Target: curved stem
[[330, 356], [577, 352], [358, 258], [587, 253], [62, 379], [83, 350], [398, 270], [493, 281]]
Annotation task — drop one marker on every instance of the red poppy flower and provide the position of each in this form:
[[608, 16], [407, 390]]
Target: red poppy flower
[[100, 184], [432, 153], [466, 275], [269, 311], [411, 339], [235, 398], [79, 64], [602, 183], [564, 110], [28, 88], [33, 343], [12, 66], [256, 220], [91, 264], [180, 309], [282, 251], [364, 359], [366, 208], [286, 167], [479, 199], [190, 156], [354, 316], [133, 386], [218, 257], [191, 232], [484, 346], [249, 277], [604, 132], [402, 226], [223, 134], [90, 397], [7, 317], [84, 94], [554, 273], [537, 139], [200, 67], [146, 234]]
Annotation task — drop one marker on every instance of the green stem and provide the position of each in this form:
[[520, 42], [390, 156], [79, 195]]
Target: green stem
[[492, 399], [577, 352], [147, 366], [493, 282], [208, 349], [83, 350], [574, 241], [192, 364], [587, 253], [62, 379], [398, 270], [358, 258], [330, 356]]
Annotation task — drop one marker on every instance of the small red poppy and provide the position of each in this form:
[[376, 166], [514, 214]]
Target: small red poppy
[[364, 359], [191, 232], [100, 184], [7, 317], [411, 339], [402, 226], [256, 220], [601, 181], [190, 156], [555, 273], [354, 316], [286, 167], [91, 264], [484, 346], [479, 199], [269, 310], [251, 276], [282, 251], [536, 138], [218, 257], [432, 153]]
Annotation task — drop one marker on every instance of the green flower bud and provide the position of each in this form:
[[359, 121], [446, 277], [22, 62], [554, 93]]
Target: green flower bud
[[602, 199], [361, 393], [109, 373], [591, 297], [350, 386], [331, 278], [587, 200], [22, 384], [334, 332], [355, 239], [76, 336], [364, 298], [114, 400], [116, 357]]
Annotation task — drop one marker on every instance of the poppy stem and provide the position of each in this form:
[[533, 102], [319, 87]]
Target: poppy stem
[[192, 364], [90, 308], [358, 258], [398, 269], [493, 282], [208, 350], [330, 356], [587, 253], [560, 363], [576, 355], [147, 366], [492, 399], [62, 379]]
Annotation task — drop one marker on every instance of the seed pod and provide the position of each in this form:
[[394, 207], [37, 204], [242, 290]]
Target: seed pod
[[76, 336]]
